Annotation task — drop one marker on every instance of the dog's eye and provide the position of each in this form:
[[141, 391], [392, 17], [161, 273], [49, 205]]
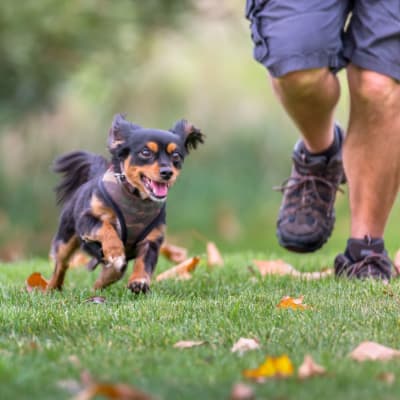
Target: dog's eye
[[145, 153], [176, 157]]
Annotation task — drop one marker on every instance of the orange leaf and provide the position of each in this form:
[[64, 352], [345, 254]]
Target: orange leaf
[[181, 270], [373, 351], [293, 303], [173, 253], [309, 368], [272, 367], [185, 344], [36, 281], [214, 257]]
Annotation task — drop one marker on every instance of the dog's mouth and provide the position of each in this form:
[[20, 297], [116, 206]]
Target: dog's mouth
[[157, 191]]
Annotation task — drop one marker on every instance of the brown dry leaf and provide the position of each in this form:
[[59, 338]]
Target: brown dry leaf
[[173, 253], [293, 303], [275, 267], [367, 351], [241, 391], [186, 344], [116, 391], [272, 367], [244, 344], [181, 270], [310, 368], [387, 377], [214, 257], [36, 281], [280, 267]]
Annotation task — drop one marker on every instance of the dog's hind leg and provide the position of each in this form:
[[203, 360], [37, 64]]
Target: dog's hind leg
[[63, 246]]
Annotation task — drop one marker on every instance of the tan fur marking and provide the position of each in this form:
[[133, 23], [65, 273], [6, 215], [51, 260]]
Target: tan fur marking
[[171, 147], [62, 253], [110, 241], [101, 211], [153, 146], [155, 233]]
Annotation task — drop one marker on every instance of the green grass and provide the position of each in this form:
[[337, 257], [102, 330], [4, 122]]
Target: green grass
[[130, 339]]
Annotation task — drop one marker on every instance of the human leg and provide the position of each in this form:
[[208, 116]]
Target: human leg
[[299, 42], [372, 147]]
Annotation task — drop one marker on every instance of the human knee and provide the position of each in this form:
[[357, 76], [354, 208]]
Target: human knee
[[301, 83], [372, 87]]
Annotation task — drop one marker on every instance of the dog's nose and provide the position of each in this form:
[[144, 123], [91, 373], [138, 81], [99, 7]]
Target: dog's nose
[[166, 173]]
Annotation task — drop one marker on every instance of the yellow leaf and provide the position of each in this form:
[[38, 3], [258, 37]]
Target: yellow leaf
[[272, 367], [293, 303]]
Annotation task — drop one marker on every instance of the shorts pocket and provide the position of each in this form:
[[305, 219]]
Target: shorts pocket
[[253, 7]]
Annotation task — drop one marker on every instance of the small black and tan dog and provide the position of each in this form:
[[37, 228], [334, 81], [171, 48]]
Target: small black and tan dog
[[115, 210]]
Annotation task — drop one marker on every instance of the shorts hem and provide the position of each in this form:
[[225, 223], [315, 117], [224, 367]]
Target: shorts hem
[[366, 61], [305, 61]]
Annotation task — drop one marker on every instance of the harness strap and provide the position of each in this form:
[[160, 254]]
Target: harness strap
[[114, 206], [94, 248]]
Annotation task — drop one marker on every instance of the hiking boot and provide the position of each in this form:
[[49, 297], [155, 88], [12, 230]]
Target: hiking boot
[[307, 216], [365, 258]]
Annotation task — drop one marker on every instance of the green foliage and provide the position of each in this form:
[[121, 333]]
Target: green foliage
[[44, 42], [130, 339]]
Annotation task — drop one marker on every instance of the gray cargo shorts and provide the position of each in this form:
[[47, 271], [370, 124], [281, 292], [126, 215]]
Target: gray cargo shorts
[[293, 35]]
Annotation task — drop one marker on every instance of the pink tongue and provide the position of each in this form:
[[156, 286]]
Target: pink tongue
[[159, 189]]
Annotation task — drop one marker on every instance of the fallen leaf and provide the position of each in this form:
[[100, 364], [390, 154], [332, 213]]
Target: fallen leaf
[[173, 253], [309, 368], [280, 267], [272, 367], [387, 377], [373, 351], [214, 257], [116, 391], [241, 391], [36, 281], [186, 344], [181, 270], [96, 300], [293, 303], [244, 344], [275, 267]]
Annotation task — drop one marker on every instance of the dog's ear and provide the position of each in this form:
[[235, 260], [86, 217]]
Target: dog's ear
[[189, 133], [119, 132]]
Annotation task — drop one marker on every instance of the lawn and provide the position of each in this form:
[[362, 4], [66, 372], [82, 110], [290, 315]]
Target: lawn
[[48, 340]]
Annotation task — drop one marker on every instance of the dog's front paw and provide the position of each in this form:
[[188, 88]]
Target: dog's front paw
[[139, 285], [118, 263]]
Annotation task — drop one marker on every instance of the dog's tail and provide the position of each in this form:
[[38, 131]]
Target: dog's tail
[[77, 167]]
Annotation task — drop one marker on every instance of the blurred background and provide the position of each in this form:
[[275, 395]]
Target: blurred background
[[67, 66]]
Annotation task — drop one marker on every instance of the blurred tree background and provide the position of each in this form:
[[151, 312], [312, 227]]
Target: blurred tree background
[[67, 66]]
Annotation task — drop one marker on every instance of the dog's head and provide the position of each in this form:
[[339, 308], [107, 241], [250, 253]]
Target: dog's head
[[151, 159]]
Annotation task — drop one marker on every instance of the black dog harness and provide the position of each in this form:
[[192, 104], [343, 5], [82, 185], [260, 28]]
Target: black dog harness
[[136, 217]]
